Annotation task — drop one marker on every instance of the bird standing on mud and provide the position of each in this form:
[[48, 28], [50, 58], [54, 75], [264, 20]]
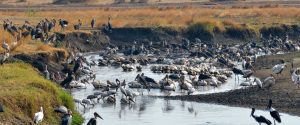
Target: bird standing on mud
[[296, 76], [277, 69], [93, 121], [269, 82], [266, 83], [260, 119]]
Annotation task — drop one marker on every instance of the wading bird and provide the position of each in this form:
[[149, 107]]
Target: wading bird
[[296, 76], [237, 72], [269, 82], [260, 119], [93, 121], [275, 114], [277, 69]]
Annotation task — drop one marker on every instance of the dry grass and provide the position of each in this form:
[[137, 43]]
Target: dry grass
[[29, 46], [178, 17], [164, 16], [38, 2]]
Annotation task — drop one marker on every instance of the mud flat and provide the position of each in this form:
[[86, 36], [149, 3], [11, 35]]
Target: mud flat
[[285, 94]]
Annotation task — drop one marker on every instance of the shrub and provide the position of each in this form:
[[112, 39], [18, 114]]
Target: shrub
[[239, 33], [201, 30]]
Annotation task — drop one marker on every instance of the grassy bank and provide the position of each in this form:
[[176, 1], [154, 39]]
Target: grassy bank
[[24, 90], [256, 17], [232, 22]]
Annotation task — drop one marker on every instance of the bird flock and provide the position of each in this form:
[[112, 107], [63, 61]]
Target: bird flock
[[44, 31], [187, 66]]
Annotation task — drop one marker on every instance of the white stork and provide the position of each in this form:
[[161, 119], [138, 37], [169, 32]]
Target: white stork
[[267, 82], [296, 76], [258, 82], [38, 117]]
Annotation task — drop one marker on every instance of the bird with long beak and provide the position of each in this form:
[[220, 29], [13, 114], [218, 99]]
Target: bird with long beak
[[93, 121], [269, 81], [260, 119], [275, 114], [97, 115]]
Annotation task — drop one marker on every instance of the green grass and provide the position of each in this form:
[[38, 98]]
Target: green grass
[[24, 90]]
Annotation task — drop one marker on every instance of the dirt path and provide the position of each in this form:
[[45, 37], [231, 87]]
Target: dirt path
[[285, 95]]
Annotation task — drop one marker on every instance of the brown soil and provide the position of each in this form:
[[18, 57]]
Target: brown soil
[[285, 94]]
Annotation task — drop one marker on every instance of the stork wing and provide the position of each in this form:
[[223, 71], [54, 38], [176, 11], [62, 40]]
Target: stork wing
[[36, 115]]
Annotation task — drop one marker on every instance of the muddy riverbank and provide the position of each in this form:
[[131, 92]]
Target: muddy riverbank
[[285, 94]]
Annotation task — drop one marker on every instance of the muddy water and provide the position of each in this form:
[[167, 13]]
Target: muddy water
[[153, 111]]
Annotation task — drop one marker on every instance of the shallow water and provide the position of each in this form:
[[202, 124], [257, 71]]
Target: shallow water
[[154, 111]]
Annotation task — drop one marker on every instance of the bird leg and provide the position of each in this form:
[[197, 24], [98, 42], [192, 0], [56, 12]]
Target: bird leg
[[93, 101], [82, 105], [235, 78]]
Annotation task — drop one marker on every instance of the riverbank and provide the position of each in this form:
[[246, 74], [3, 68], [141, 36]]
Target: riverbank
[[285, 94], [81, 41], [24, 91]]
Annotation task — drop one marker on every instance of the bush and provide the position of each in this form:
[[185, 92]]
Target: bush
[[204, 31], [275, 31], [239, 33]]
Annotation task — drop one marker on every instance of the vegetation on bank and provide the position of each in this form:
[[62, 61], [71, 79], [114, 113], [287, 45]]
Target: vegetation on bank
[[233, 22], [256, 17], [24, 91]]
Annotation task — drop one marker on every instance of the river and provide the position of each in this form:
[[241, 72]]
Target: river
[[155, 111]]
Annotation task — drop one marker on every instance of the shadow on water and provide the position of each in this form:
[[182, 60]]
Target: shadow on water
[[157, 111]]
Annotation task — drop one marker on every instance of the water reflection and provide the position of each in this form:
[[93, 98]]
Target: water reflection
[[167, 107], [155, 111]]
